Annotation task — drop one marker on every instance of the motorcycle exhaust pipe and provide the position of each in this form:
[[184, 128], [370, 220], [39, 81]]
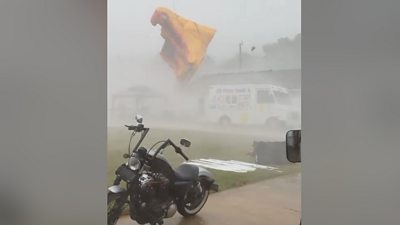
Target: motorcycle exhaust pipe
[[214, 187]]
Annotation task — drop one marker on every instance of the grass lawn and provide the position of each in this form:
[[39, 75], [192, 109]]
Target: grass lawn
[[204, 145]]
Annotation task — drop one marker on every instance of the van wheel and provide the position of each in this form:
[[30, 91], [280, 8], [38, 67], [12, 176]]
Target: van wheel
[[275, 123], [224, 121]]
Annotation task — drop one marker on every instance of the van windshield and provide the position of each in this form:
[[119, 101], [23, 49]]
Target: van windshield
[[282, 98]]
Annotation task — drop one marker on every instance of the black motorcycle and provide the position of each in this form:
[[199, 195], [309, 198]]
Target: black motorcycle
[[154, 190]]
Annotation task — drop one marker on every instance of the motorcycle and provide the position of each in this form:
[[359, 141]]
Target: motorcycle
[[153, 189]]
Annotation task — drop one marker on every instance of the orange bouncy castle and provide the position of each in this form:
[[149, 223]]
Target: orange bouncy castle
[[185, 41]]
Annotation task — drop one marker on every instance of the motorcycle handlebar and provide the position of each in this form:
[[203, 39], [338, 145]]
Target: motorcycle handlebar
[[137, 128], [183, 155], [177, 149]]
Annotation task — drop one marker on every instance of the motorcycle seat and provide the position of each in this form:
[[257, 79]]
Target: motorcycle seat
[[186, 172]]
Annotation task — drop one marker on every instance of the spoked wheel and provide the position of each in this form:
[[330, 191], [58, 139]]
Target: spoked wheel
[[224, 122], [194, 200], [115, 206]]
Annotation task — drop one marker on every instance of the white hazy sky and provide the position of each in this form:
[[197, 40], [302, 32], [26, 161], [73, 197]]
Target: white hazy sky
[[133, 41], [256, 22]]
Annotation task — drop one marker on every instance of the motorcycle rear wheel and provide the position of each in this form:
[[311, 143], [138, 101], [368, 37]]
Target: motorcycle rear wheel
[[189, 206], [115, 206]]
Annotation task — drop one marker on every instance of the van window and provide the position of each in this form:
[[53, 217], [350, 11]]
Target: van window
[[282, 98], [228, 100], [234, 100], [264, 97]]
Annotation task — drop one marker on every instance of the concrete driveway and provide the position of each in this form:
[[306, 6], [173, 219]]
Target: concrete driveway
[[272, 202]]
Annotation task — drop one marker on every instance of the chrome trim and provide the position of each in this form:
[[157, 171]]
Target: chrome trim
[[116, 189], [171, 210]]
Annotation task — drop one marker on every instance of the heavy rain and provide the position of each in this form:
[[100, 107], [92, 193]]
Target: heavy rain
[[234, 93]]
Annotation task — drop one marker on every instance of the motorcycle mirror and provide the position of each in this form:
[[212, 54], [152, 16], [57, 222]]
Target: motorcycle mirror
[[139, 118], [293, 144], [185, 143]]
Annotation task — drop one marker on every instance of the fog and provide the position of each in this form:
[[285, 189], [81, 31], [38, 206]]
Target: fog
[[134, 52]]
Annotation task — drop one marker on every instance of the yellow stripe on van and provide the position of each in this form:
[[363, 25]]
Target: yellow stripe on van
[[244, 118], [261, 108]]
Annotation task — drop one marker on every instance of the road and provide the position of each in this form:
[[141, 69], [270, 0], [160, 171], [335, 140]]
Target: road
[[272, 202]]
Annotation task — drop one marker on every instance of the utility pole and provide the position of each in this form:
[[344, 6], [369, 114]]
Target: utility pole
[[240, 54]]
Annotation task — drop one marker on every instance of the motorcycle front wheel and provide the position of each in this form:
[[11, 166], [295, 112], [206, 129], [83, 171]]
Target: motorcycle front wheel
[[115, 206], [193, 201]]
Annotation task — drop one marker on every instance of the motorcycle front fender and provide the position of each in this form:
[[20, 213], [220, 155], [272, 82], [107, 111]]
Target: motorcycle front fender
[[209, 178], [205, 173], [116, 189]]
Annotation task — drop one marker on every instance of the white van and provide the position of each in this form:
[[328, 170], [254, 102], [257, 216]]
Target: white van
[[251, 104]]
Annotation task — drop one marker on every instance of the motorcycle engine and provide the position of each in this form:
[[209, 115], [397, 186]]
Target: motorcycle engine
[[155, 202]]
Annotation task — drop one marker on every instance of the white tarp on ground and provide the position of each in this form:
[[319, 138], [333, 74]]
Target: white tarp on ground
[[230, 165]]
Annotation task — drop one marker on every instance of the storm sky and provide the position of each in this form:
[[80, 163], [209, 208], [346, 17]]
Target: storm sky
[[133, 42]]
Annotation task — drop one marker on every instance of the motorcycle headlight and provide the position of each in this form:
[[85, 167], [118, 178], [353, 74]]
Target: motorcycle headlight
[[134, 163]]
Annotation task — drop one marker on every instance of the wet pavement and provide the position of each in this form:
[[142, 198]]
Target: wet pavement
[[272, 202]]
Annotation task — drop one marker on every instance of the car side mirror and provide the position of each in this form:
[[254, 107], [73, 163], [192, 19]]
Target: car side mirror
[[293, 146], [185, 143], [139, 118]]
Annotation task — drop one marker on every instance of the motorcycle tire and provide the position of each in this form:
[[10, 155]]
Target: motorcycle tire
[[115, 206], [186, 210]]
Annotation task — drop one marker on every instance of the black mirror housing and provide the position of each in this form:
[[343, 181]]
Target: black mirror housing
[[293, 146], [185, 143]]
